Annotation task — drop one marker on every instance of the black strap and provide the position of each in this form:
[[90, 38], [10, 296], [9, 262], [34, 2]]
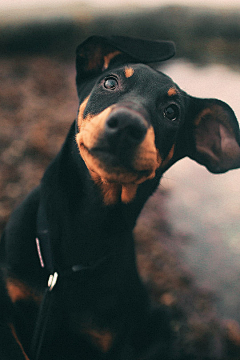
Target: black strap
[[43, 237], [46, 260], [41, 325]]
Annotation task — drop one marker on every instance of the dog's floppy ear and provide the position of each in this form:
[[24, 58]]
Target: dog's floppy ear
[[213, 135], [96, 53]]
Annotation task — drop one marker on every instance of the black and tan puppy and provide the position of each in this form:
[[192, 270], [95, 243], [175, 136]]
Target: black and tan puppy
[[133, 123]]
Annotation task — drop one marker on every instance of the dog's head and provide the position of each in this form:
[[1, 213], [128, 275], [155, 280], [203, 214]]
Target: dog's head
[[134, 122]]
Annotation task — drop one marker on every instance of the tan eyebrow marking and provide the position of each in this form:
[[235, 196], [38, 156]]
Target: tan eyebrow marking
[[128, 72], [172, 91]]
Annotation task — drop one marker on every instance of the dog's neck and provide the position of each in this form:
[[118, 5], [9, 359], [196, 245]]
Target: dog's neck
[[96, 223]]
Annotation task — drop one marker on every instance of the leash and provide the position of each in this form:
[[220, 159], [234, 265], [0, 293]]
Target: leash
[[46, 259]]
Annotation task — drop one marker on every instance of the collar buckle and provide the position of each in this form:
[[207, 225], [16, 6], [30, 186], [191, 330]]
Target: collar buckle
[[52, 280]]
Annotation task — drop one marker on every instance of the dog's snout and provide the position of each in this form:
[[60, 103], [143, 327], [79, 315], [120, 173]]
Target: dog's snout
[[126, 125]]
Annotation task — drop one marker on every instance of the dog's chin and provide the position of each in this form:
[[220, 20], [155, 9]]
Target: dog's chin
[[113, 170], [117, 182]]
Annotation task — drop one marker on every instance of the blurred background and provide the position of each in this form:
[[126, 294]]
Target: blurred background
[[198, 212]]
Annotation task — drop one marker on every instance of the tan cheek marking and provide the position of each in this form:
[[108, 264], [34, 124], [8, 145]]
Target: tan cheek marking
[[109, 57], [19, 291], [81, 111], [91, 127], [169, 157], [128, 72], [147, 157], [17, 341], [172, 91], [102, 339]]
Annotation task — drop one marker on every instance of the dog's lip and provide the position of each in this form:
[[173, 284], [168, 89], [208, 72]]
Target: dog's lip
[[101, 151], [95, 151], [111, 159], [98, 149]]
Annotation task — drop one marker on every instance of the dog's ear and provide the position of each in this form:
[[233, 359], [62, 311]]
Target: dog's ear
[[97, 53], [213, 135]]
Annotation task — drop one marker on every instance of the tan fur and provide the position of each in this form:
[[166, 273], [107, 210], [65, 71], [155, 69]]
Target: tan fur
[[169, 157], [128, 192], [19, 291], [109, 57], [147, 156], [17, 340], [172, 91], [110, 191], [81, 111], [90, 129], [103, 339]]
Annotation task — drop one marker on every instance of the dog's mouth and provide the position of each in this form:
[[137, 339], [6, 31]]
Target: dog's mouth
[[118, 179], [124, 158]]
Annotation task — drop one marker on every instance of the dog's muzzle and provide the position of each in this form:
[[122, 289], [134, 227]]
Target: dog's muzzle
[[124, 130], [118, 147]]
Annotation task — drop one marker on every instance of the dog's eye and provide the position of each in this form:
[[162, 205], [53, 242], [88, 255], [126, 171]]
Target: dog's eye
[[110, 83], [171, 112]]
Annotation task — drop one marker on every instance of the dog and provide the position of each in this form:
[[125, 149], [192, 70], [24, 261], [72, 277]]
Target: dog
[[70, 288]]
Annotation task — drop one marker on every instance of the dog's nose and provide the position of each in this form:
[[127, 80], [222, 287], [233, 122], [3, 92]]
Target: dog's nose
[[127, 126]]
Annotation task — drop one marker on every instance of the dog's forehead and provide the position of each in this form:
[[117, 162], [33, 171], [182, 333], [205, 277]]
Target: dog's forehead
[[144, 72], [134, 80], [147, 80]]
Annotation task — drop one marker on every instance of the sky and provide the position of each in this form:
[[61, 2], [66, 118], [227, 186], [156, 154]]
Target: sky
[[14, 11], [10, 4], [147, 3], [6, 5]]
